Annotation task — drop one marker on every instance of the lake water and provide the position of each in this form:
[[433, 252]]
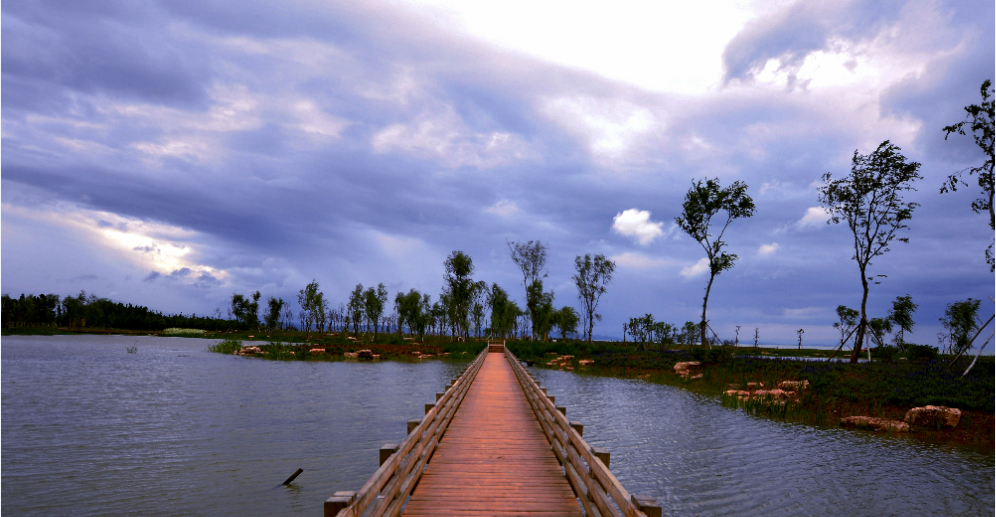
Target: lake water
[[89, 429]]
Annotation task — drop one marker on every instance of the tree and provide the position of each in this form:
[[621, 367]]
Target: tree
[[275, 307], [870, 201], [982, 125], [901, 315], [313, 306], [541, 309], [591, 278], [959, 322], [373, 305], [413, 310], [566, 320], [702, 202], [246, 310], [531, 258], [462, 290], [642, 329], [848, 318], [504, 312], [357, 304]]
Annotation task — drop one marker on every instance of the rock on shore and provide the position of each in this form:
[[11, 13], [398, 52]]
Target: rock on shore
[[933, 416], [876, 424]]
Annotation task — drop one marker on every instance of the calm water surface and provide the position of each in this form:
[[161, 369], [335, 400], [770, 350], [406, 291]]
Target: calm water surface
[[89, 429]]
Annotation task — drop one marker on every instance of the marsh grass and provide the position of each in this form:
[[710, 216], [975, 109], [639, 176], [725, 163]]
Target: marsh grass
[[226, 346]]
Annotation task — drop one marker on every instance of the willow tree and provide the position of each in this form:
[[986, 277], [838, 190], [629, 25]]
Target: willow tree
[[704, 201], [870, 201]]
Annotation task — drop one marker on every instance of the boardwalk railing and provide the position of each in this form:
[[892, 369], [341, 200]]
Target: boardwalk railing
[[599, 491], [385, 493]]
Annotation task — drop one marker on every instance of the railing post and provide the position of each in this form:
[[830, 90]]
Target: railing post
[[601, 453], [386, 451], [338, 502], [647, 504], [562, 409], [429, 406], [412, 424], [578, 426], [439, 396]]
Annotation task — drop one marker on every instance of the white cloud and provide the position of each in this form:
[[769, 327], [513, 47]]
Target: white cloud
[[504, 208], [767, 249], [610, 127], [695, 269], [805, 312], [630, 35], [631, 260], [815, 216], [637, 223], [164, 249], [443, 135]]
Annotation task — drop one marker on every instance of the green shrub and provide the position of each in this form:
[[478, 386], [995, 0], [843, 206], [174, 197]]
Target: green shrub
[[226, 347], [921, 352], [886, 354]]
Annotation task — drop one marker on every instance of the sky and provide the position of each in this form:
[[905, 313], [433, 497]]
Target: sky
[[170, 154]]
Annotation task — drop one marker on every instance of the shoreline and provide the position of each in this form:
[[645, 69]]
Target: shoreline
[[838, 390]]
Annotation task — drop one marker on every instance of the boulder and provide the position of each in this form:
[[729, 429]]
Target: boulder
[[741, 394], [350, 354], [933, 416], [364, 354], [586, 362], [318, 350], [875, 424], [687, 368], [754, 385], [794, 385]]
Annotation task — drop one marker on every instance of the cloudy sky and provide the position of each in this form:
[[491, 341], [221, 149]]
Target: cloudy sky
[[172, 153]]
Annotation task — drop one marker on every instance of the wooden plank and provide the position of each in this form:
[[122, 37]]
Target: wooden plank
[[494, 457]]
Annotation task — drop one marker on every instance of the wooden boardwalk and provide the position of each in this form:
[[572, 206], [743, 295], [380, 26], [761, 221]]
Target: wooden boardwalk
[[493, 443], [494, 458]]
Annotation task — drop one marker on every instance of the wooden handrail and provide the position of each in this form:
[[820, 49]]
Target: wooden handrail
[[599, 491], [386, 491]]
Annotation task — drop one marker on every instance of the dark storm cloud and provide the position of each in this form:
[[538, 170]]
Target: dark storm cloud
[[361, 144], [103, 48]]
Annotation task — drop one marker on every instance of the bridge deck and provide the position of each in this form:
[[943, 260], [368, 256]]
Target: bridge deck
[[494, 458]]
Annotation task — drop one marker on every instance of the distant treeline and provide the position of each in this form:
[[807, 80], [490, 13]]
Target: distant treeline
[[83, 310]]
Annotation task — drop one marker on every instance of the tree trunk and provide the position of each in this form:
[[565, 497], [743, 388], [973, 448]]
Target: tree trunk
[[705, 301], [863, 324]]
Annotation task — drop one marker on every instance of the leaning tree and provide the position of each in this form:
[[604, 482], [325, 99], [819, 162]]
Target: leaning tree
[[981, 125], [703, 201], [870, 201]]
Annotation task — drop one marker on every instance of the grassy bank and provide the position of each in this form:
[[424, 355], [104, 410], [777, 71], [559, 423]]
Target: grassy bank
[[878, 389]]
